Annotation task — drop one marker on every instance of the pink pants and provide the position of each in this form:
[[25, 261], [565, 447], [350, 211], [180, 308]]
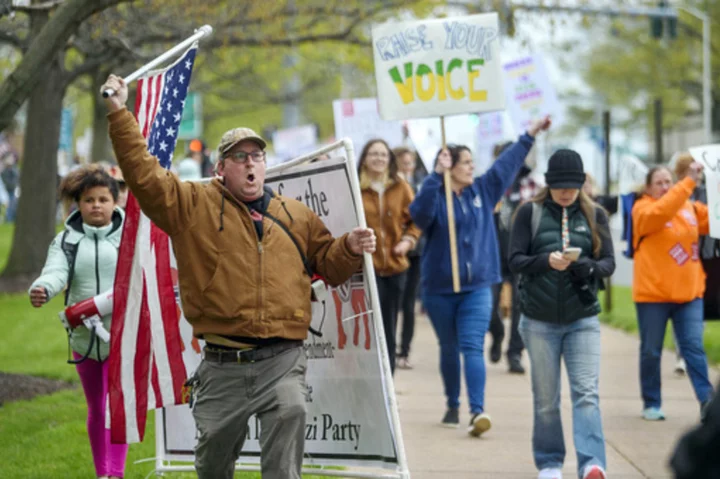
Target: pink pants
[[109, 458]]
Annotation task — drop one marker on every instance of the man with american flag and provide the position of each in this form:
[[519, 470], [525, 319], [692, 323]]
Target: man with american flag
[[244, 257]]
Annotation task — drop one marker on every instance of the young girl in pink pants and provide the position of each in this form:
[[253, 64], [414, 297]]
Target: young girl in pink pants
[[83, 258]]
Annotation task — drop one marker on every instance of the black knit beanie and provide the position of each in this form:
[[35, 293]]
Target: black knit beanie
[[565, 170]]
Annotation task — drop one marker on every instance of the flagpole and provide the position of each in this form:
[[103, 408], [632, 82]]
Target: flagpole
[[204, 31], [451, 217]]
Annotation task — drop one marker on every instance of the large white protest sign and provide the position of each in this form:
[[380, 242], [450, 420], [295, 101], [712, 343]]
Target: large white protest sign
[[529, 93], [359, 120], [291, 142], [709, 156], [632, 173], [350, 419], [438, 67]]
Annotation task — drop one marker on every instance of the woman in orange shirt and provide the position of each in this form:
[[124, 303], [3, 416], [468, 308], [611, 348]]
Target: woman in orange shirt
[[669, 281], [386, 198]]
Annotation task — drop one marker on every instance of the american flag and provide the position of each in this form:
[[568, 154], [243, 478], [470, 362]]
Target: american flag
[[146, 364]]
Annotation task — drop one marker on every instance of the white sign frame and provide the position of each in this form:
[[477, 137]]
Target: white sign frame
[[709, 157], [164, 460], [419, 66]]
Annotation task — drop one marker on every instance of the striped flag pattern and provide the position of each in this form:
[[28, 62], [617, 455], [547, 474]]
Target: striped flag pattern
[[146, 364]]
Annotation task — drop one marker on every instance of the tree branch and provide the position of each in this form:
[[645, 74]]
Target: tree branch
[[51, 39]]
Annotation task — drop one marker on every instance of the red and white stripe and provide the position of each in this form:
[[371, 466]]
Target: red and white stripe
[[146, 365]]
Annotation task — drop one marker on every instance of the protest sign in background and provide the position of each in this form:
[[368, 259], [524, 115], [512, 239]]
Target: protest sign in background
[[289, 143], [438, 67], [709, 156], [631, 174], [529, 93], [359, 120]]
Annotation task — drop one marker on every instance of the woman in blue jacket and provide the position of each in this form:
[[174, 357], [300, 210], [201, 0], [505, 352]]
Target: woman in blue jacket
[[461, 319]]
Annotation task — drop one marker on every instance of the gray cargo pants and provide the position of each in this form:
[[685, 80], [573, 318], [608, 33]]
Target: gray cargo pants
[[228, 394]]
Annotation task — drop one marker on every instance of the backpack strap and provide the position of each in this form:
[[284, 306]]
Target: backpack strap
[[308, 269], [70, 251], [282, 226], [537, 210]]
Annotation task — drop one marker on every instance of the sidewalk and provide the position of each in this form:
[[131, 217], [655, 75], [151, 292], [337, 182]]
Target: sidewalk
[[635, 448]]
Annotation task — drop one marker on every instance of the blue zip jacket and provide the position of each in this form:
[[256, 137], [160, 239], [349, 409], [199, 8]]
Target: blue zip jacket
[[477, 245]]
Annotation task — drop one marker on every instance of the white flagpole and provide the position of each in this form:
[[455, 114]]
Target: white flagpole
[[369, 270], [205, 30]]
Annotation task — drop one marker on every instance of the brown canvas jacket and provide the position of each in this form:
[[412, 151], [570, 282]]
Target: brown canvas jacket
[[390, 225], [231, 283]]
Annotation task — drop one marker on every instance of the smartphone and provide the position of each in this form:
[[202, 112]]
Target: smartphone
[[572, 253]]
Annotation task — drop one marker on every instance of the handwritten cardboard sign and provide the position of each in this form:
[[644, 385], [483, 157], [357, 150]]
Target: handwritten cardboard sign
[[709, 156], [438, 67]]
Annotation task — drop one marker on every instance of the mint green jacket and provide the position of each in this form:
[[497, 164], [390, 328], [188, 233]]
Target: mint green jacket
[[95, 262]]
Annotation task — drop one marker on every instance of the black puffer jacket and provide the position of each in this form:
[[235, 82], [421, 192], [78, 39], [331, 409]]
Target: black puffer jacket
[[545, 293]]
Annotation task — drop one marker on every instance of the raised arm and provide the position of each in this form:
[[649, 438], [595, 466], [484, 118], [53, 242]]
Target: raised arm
[[166, 200], [501, 174], [504, 169], [651, 216]]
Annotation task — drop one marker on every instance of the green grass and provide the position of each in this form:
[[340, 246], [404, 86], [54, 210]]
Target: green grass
[[6, 230], [46, 436], [623, 317]]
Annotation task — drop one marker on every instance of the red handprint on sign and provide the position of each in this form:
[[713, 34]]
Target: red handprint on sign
[[353, 291]]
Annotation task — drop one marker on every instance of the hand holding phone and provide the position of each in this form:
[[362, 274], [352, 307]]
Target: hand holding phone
[[572, 253]]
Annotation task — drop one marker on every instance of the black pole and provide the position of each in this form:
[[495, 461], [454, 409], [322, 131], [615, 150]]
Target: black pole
[[606, 135], [658, 131]]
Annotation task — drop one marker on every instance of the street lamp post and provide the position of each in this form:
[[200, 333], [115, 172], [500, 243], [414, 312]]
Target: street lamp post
[[707, 69]]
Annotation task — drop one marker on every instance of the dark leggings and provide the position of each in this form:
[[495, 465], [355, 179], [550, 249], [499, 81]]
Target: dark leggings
[[390, 290], [412, 281]]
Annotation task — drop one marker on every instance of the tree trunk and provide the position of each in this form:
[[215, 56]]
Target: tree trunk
[[101, 149], [46, 43], [37, 206]]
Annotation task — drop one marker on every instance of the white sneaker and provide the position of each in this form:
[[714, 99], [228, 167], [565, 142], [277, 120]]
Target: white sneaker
[[550, 474], [680, 368]]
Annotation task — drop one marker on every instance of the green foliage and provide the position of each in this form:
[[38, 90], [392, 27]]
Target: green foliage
[[629, 68], [46, 437]]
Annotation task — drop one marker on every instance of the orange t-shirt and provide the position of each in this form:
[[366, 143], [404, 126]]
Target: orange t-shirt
[[666, 234]]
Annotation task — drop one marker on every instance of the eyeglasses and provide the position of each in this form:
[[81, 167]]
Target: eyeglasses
[[242, 156]]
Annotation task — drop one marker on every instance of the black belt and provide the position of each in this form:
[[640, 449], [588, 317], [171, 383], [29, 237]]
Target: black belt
[[249, 355]]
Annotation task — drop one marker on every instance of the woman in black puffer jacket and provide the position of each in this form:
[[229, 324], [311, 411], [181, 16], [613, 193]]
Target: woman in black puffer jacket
[[558, 300]]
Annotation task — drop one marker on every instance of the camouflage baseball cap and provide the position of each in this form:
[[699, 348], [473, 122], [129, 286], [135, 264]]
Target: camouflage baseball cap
[[235, 136]]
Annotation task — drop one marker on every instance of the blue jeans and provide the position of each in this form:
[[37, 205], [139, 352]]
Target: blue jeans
[[461, 321], [579, 343], [687, 320]]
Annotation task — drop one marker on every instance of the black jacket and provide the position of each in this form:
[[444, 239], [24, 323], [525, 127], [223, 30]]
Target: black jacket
[[559, 296]]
